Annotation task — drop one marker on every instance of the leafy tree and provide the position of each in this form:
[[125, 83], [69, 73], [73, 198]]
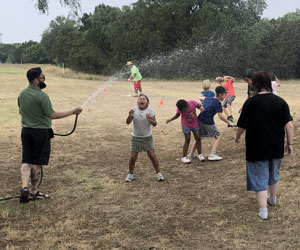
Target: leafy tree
[[35, 54], [59, 39], [5, 51], [171, 39], [43, 5]]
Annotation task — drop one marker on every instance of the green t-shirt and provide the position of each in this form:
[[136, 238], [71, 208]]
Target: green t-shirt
[[135, 70], [35, 108]]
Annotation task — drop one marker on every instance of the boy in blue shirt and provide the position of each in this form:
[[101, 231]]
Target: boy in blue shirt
[[212, 106], [206, 90]]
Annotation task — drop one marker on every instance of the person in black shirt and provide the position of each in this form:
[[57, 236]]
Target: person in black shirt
[[249, 73], [265, 117]]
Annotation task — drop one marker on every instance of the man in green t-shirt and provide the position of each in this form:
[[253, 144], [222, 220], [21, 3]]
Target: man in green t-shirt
[[37, 113], [136, 77]]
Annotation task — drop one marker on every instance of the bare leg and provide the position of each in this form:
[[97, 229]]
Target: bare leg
[[197, 140], [261, 197], [216, 143], [136, 91], [187, 139], [225, 111], [35, 177], [153, 158], [194, 148], [140, 89], [133, 158], [229, 109], [274, 189], [25, 174]]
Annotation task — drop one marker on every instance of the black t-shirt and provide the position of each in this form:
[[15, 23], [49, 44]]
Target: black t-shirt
[[264, 117]]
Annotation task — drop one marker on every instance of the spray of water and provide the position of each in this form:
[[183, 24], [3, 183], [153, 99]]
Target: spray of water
[[111, 80], [167, 65]]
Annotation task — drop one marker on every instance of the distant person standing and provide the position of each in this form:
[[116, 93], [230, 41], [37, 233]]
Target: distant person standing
[[37, 112], [249, 73], [265, 117], [275, 82], [136, 77]]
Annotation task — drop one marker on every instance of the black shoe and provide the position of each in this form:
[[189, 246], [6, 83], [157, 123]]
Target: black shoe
[[24, 198]]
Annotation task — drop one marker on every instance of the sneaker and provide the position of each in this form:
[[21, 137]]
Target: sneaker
[[263, 215], [201, 157], [129, 178], [160, 177], [214, 158], [24, 197], [271, 202], [185, 160], [230, 118], [191, 156]]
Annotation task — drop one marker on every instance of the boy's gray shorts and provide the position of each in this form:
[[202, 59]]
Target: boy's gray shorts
[[208, 130], [229, 100]]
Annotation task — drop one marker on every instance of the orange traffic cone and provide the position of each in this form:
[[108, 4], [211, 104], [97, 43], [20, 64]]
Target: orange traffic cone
[[161, 102], [104, 90]]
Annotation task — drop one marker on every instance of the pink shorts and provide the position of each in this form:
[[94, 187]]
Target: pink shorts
[[137, 85]]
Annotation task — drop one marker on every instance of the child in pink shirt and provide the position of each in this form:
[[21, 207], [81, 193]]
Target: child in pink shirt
[[189, 123]]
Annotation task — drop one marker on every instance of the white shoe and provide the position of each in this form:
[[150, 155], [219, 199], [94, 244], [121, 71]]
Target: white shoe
[[263, 216], [185, 160], [214, 158], [201, 157], [160, 177], [191, 156], [129, 178]]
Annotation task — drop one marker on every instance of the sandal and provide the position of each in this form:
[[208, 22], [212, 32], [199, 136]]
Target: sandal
[[40, 196], [24, 197]]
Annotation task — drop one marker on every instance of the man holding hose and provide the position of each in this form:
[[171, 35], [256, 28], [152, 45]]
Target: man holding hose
[[37, 113]]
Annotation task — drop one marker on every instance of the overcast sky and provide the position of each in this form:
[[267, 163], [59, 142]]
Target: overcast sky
[[20, 21]]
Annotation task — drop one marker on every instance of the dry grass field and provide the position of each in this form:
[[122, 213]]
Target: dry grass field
[[198, 206]]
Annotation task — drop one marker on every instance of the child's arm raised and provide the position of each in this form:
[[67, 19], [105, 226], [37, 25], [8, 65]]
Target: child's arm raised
[[152, 120], [229, 77], [221, 116], [130, 116], [173, 118]]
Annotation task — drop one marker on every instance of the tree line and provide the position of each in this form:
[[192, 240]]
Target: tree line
[[170, 39]]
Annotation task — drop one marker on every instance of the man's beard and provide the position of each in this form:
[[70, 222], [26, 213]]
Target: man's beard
[[42, 85]]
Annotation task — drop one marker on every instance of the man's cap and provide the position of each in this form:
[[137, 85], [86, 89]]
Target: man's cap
[[33, 73], [129, 63], [220, 90]]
